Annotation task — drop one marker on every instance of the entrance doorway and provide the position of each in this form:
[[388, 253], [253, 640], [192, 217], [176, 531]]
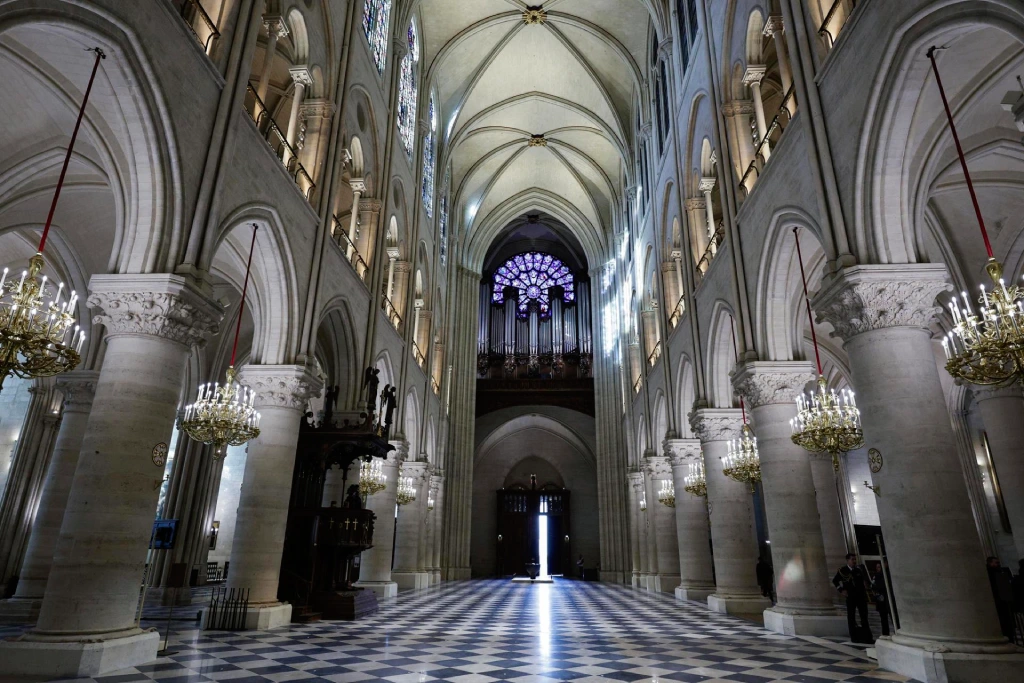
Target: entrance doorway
[[533, 525]]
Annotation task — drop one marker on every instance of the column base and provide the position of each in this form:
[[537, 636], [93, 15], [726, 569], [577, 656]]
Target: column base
[[383, 589], [930, 666], [664, 583], [20, 610], [78, 658], [752, 604], [457, 574], [435, 576], [634, 580], [611, 577], [261, 617], [696, 594], [411, 581], [821, 624]]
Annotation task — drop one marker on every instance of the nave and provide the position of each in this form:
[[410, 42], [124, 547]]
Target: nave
[[489, 630]]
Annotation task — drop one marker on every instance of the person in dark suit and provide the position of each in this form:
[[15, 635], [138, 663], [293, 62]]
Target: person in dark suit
[[853, 584], [353, 501], [881, 597]]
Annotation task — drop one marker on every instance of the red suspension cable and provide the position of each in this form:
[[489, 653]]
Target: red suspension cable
[[807, 299], [960, 151], [71, 147], [245, 288]]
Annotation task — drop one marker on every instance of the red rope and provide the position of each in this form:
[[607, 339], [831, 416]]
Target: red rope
[[960, 152], [245, 288], [807, 299], [71, 147]]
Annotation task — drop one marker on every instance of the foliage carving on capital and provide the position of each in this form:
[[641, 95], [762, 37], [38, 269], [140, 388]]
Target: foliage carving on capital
[[657, 466], [716, 425], [636, 480], [177, 314], [763, 384], [418, 471], [78, 388], [281, 386], [864, 298], [682, 451]]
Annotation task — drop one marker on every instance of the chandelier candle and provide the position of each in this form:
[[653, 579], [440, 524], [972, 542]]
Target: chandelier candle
[[696, 482], [667, 493]]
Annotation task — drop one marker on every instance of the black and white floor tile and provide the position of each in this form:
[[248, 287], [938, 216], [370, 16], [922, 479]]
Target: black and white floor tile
[[479, 631]]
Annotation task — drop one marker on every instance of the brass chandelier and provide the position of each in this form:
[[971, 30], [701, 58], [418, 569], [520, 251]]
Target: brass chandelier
[[667, 493], [742, 462], [984, 347], [695, 482], [372, 478], [406, 491], [36, 335], [225, 415], [826, 421]]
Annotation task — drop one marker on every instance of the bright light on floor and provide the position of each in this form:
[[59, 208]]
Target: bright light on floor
[[542, 543]]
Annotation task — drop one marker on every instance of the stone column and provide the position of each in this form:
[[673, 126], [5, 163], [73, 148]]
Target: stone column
[[1002, 411], [375, 563], [366, 234], [804, 591], [87, 623], [949, 629], [400, 293], [833, 533], [695, 208], [302, 80], [663, 522], [752, 78], [731, 512], [707, 186], [408, 573], [638, 544], [276, 29], [358, 186], [693, 533], [737, 114], [436, 520], [315, 116], [78, 388], [774, 28], [282, 392]]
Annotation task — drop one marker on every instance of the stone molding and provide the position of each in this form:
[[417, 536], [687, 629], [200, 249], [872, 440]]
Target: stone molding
[[707, 184], [281, 386], [636, 480], [860, 299], [317, 108], [657, 466], [716, 424], [164, 306], [985, 393], [763, 383], [369, 204], [357, 185], [275, 24], [737, 107], [401, 452], [403, 266], [774, 25], [754, 74], [419, 472], [78, 388], [301, 76], [694, 203], [681, 452]]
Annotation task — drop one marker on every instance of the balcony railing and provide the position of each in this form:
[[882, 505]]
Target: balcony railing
[[677, 312], [198, 22], [392, 313], [655, 355], [778, 123], [710, 251], [421, 360], [835, 20], [278, 141], [435, 387], [350, 250], [637, 384]]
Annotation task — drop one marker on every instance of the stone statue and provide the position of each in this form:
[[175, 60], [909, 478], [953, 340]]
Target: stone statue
[[370, 384]]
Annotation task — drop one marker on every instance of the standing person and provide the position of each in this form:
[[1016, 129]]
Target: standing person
[[579, 566], [881, 597], [852, 582], [765, 578], [1002, 592]]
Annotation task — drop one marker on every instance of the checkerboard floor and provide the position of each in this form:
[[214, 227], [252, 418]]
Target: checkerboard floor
[[496, 631]]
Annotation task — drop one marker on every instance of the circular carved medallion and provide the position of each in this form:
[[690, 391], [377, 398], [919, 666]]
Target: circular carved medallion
[[875, 460], [160, 454]]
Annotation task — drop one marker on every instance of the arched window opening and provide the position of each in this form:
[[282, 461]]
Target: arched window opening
[[376, 15], [429, 160], [533, 274], [407, 92], [442, 219]]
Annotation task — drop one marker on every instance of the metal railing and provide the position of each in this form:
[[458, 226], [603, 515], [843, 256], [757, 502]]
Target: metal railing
[[392, 313], [350, 250], [677, 312], [829, 33], [278, 141], [421, 360], [655, 355], [753, 171], [196, 19], [637, 384], [710, 251], [435, 386]]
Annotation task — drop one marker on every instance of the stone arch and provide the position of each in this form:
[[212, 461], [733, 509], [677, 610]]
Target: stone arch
[[686, 396], [660, 423], [721, 356], [411, 423], [337, 342], [386, 367]]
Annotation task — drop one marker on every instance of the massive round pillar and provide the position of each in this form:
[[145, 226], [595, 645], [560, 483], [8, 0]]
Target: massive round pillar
[[693, 533], [1002, 411], [375, 563]]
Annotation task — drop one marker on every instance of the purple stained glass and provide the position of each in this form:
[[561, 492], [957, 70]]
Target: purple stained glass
[[407, 94], [533, 273], [376, 14]]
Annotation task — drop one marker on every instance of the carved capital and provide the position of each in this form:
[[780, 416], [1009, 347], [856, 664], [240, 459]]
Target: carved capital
[[665, 49], [668, 266], [318, 108], [164, 306], [281, 386], [418, 471], [764, 383], [716, 424], [636, 480], [773, 25], [695, 203], [403, 266], [681, 452], [864, 298], [738, 108], [986, 393], [357, 185], [707, 184], [301, 76], [400, 454], [370, 205], [657, 466], [79, 388], [754, 74], [275, 25]]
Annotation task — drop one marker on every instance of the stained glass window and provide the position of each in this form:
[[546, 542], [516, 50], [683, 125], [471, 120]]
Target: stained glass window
[[429, 161], [442, 217], [407, 94], [533, 273], [376, 14]]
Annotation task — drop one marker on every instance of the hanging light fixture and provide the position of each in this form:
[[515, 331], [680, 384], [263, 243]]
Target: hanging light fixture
[[38, 335], [985, 347], [430, 502], [225, 415], [406, 491], [742, 462], [667, 493], [695, 483], [372, 478], [643, 502], [826, 421]]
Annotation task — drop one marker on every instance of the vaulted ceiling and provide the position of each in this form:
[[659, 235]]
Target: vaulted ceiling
[[537, 110]]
